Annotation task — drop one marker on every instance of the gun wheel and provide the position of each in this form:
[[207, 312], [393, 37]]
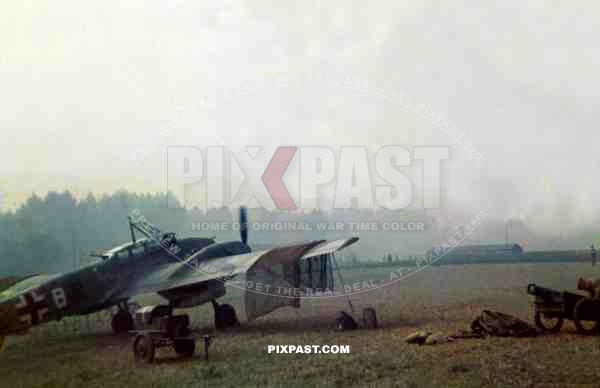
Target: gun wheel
[[585, 327], [546, 323]]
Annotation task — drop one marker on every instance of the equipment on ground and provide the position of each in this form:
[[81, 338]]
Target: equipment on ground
[[552, 307], [497, 324], [157, 328]]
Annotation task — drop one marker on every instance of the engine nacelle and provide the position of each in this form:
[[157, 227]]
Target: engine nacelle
[[195, 294]]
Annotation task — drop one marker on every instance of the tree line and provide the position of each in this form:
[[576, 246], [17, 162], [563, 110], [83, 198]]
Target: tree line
[[57, 232]]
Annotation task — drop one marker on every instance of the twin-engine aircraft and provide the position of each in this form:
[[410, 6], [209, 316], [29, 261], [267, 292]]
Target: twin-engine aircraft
[[186, 272]]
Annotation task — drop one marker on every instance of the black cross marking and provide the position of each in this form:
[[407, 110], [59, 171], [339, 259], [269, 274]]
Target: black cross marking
[[33, 308]]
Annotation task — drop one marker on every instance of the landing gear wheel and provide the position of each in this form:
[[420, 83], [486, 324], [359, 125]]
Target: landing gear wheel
[[370, 318], [225, 317], [545, 323], [122, 322], [584, 326], [143, 349], [345, 322], [185, 347]]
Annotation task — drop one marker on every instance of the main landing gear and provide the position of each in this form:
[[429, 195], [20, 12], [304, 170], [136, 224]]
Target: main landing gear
[[225, 316], [122, 321]]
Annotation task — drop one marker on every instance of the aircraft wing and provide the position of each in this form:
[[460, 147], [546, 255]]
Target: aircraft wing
[[282, 276], [185, 274], [195, 282]]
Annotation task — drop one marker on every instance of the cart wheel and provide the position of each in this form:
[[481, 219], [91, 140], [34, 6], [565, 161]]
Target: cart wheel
[[370, 318], [185, 347], [552, 325], [143, 349], [584, 327]]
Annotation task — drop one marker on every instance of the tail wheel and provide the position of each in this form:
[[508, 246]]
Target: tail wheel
[[370, 318], [225, 317], [545, 323], [143, 349], [584, 326]]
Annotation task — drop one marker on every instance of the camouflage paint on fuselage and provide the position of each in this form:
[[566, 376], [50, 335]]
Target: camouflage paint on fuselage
[[43, 298]]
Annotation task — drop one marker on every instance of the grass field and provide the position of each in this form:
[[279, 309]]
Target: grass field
[[81, 352]]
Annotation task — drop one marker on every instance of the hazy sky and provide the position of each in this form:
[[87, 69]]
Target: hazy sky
[[84, 85]]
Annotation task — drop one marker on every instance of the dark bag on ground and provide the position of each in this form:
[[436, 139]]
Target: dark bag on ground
[[502, 325]]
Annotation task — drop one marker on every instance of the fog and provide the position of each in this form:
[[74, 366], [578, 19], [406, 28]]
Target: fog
[[85, 86]]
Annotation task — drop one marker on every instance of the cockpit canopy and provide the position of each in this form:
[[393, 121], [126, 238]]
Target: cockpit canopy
[[229, 248], [140, 247]]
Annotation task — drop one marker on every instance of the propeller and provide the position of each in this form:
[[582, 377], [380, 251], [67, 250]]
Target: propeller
[[243, 225]]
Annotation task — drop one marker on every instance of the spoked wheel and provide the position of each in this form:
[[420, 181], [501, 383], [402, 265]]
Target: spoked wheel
[[143, 349], [586, 327], [546, 323]]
